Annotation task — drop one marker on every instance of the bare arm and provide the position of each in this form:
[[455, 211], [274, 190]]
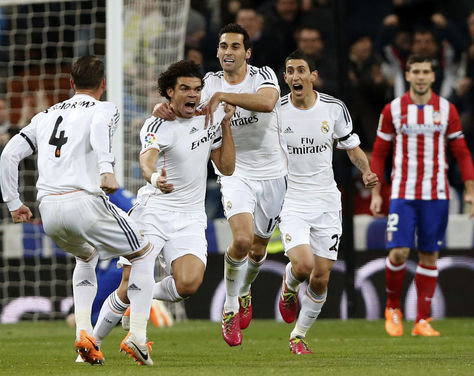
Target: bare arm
[[264, 100], [469, 195], [359, 160], [148, 161], [224, 157], [108, 183]]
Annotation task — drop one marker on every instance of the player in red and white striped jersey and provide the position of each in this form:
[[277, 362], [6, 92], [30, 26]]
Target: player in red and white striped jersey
[[420, 124]]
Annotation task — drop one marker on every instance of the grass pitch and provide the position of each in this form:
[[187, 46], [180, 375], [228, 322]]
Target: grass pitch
[[353, 347]]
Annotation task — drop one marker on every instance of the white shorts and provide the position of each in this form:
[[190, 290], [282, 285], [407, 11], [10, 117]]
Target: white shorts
[[322, 231], [80, 223], [174, 234], [261, 198]]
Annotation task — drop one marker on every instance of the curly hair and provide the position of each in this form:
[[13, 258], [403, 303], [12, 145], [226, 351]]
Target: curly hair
[[182, 68]]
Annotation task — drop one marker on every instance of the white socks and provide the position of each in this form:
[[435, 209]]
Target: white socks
[[291, 282], [251, 273], [84, 287], [109, 316], [234, 273], [140, 293], [166, 290], [311, 305]]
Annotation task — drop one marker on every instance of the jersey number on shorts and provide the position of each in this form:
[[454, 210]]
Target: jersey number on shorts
[[272, 223], [392, 222], [334, 246], [57, 141]]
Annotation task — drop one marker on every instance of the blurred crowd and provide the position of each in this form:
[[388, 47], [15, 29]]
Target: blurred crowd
[[359, 48]]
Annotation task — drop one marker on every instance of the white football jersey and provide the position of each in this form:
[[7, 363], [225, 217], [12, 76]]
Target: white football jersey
[[73, 139], [310, 135], [184, 147], [260, 153]]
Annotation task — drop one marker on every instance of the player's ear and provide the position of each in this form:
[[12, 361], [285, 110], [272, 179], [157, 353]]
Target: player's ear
[[170, 92], [248, 53], [102, 84], [71, 82], [314, 76]]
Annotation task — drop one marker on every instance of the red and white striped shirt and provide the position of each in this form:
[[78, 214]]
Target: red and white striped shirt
[[420, 134]]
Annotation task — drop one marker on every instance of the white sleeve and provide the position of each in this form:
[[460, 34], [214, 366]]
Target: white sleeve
[[217, 141], [103, 127], [19, 147], [266, 77], [209, 87], [345, 137], [155, 135]]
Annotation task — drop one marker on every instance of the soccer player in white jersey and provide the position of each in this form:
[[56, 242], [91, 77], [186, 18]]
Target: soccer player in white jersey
[[170, 206], [420, 124], [311, 217], [75, 166], [253, 196]]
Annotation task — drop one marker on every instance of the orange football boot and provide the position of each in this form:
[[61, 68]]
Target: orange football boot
[[393, 322]]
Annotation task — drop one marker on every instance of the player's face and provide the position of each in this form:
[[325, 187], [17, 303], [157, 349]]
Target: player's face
[[231, 52], [185, 96], [299, 78], [421, 77]]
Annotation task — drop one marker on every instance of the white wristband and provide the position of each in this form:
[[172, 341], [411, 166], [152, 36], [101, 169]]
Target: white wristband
[[154, 178]]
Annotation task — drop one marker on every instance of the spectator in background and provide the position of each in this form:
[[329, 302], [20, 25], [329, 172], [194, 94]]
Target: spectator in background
[[310, 41], [281, 18], [194, 54], [437, 40], [195, 27], [463, 98], [369, 88], [228, 10], [265, 47]]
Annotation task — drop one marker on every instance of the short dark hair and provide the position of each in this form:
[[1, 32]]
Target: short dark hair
[[182, 68], [87, 72], [413, 59], [236, 29], [298, 54]]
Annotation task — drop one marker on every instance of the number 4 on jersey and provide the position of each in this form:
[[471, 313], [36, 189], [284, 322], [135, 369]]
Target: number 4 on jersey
[[57, 141]]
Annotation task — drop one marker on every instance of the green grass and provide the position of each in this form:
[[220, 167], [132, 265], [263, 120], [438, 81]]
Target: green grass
[[354, 347]]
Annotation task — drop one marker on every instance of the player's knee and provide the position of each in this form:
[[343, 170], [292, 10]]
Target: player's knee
[[187, 287], [302, 269], [257, 255], [242, 244], [319, 284], [399, 255]]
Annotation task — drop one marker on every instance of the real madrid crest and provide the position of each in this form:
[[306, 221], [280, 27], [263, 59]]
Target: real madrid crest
[[229, 205], [287, 238], [325, 127]]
